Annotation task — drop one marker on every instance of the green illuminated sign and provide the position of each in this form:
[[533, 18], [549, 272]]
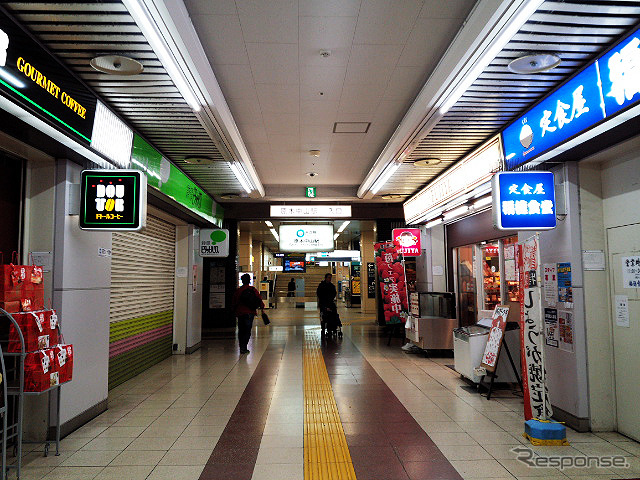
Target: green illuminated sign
[[170, 180], [310, 192]]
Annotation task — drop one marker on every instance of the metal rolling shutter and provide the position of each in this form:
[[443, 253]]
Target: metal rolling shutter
[[141, 315]]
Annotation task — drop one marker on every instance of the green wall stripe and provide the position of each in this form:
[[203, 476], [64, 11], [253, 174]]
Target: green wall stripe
[[128, 328], [131, 363]]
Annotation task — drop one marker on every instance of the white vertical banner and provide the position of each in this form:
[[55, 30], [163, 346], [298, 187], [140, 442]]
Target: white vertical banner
[[536, 394]]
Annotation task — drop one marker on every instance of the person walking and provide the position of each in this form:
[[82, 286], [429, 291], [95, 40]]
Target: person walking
[[246, 301], [326, 294], [291, 288]]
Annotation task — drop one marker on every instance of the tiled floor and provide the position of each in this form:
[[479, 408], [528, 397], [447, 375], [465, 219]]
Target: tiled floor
[[404, 417]]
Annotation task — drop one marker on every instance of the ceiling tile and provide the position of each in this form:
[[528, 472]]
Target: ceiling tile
[[273, 53], [346, 142], [282, 123], [326, 8], [390, 112], [205, 7], [284, 143], [455, 9], [355, 99], [236, 81], [282, 74], [221, 37], [318, 112], [278, 98], [253, 132], [245, 110], [315, 80], [393, 30], [326, 32], [436, 34], [384, 56], [270, 29], [260, 7], [316, 133], [367, 75], [310, 55], [405, 83], [391, 8]]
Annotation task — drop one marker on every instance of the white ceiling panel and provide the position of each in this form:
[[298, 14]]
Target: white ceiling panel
[[321, 82], [389, 112], [262, 7], [367, 75], [223, 35], [281, 123], [246, 110], [273, 53], [392, 30], [316, 133], [270, 28], [318, 112], [278, 98], [255, 131], [390, 8], [356, 99], [326, 8], [427, 42], [326, 33], [219, 7], [283, 74], [347, 142], [385, 56], [405, 83], [455, 9], [284, 143]]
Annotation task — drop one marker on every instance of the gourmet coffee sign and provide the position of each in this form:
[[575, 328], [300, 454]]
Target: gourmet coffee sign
[[33, 78]]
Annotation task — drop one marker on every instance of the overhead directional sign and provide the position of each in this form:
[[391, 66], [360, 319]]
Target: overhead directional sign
[[310, 211]]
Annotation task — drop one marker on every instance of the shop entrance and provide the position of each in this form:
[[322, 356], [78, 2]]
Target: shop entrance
[[10, 205], [625, 242]]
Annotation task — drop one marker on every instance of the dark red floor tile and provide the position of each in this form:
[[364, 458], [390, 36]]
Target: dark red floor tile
[[234, 455], [245, 428], [402, 427], [224, 471], [372, 454], [418, 453], [431, 470], [381, 471], [367, 439], [359, 428], [239, 440], [401, 439]]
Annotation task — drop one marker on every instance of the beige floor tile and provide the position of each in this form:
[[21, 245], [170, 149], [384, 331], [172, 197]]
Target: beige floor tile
[[485, 426], [464, 452], [502, 452], [195, 443], [128, 472], [90, 458], [108, 443], [452, 438], [284, 429], [165, 472], [151, 443], [631, 447], [159, 431], [203, 431], [599, 449], [493, 438], [73, 444], [280, 472], [186, 457], [286, 441], [213, 420], [29, 473], [131, 432], [73, 473], [518, 468], [134, 421], [88, 431], [280, 455], [440, 427], [37, 459], [480, 468], [138, 457]]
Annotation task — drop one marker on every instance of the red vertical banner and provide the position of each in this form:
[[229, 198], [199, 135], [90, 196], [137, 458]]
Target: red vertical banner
[[392, 281], [523, 354]]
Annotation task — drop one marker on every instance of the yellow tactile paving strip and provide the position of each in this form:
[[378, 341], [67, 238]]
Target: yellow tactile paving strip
[[326, 454]]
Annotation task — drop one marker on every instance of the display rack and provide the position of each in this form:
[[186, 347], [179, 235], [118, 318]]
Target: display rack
[[13, 388]]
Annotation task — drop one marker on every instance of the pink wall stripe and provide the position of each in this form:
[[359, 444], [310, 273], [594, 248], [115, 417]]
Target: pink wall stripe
[[122, 346]]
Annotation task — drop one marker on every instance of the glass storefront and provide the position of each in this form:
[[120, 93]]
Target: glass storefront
[[485, 277]]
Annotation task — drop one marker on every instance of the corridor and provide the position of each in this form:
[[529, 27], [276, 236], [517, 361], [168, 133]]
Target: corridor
[[300, 408]]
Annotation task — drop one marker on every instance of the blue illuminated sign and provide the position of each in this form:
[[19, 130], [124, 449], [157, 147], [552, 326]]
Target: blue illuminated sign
[[524, 201], [605, 87]]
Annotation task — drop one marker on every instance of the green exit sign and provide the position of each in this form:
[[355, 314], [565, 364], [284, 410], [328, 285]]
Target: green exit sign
[[310, 192]]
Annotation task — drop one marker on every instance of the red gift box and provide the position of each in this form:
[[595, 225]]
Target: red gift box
[[15, 275], [11, 307], [64, 361], [40, 372], [39, 329], [35, 295]]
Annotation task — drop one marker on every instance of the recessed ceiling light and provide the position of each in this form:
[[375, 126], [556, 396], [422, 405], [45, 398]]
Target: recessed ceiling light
[[311, 174], [116, 65], [534, 63], [198, 160], [314, 153], [392, 196], [426, 162]]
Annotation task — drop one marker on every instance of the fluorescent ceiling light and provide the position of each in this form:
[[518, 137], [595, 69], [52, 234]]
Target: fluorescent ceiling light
[[456, 212], [241, 176], [335, 237], [386, 174], [482, 202], [9, 77], [275, 234], [269, 224], [151, 33], [343, 226], [433, 223], [500, 41]]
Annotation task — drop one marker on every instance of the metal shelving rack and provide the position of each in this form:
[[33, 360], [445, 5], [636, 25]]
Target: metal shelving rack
[[13, 387]]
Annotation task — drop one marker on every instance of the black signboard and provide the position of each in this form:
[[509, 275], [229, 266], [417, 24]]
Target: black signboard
[[113, 200], [33, 78], [371, 280]]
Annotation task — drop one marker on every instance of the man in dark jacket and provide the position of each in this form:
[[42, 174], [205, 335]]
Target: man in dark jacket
[[326, 294], [291, 288], [245, 308]]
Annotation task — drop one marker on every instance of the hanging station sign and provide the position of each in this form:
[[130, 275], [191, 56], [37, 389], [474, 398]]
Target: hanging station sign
[[306, 238], [408, 241], [524, 201], [310, 211], [113, 200], [469, 173], [599, 91], [214, 243], [31, 77]]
